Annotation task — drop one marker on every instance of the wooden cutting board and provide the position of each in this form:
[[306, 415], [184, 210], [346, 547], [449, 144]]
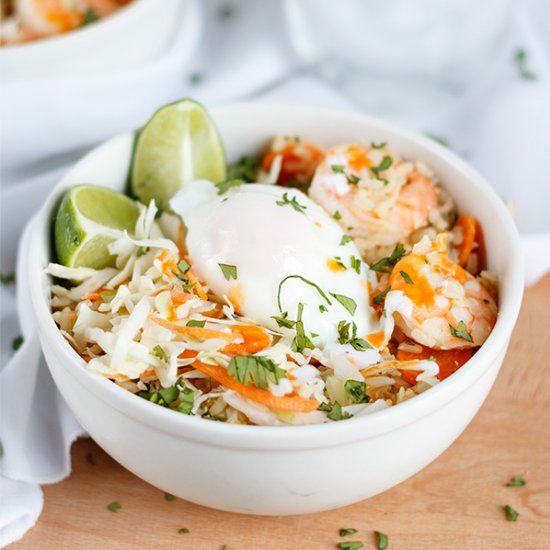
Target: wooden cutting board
[[456, 502]]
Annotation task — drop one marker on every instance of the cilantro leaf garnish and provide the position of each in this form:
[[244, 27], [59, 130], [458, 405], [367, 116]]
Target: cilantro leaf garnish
[[461, 331], [338, 168], [343, 331], [17, 342], [380, 297], [184, 266], [291, 202], [246, 170], [385, 265], [348, 303], [355, 391], [350, 545], [177, 397], [225, 186], [90, 16], [113, 507], [382, 540], [322, 308], [439, 139], [378, 145], [307, 281], [386, 162], [520, 58], [511, 514], [183, 531], [516, 481], [345, 240], [282, 320], [195, 323], [406, 277], [359, 344], [353, 179], [355, 264], [335, 412], [169, 497], [347, 532], [229, 271], [337, 215], [301, 341], [256, 369], [160, 353]]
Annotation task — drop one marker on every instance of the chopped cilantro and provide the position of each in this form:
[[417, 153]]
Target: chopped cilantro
[[113, 507], [378, 145], [141, 251], [196, 78], [338, 168], [359, 344], [351, 545], [16, 343], [520, 58], [511, 514], [224, 186], [345, 240], [256, 369], [335, 412], [183, 531], [170, 394], [353, 179], [7, 279], [322, 308], [355, 391], [169, 497], [355, 264], [307, 281], [291, 202], [195, 323], [406, 277], [461, 331], [301, 341], [516, 481], [177, 397], [90, 16], [160, 353], [347, 532], [439, 139], [245, 170], [385, 265], [348, 303], [337, 215], [382, 540], [380, 297], [384, 165], [183, 266], [282, 320], [343, 331], [229, 271]]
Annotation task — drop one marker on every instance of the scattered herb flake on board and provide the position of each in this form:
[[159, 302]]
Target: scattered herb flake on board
[[355, 391], [349, 303], [160, 353], [337, 215], [386, 162], [380, 297], [406, 277], [439, 139], [511, 514], [195, 323], [169, 497], [7, 279], [291, 202], [113, 507], [16, 343], [516, 481], [520, 57], [382, 540], [90, 459], [256, 369], [385, 265], [334, 412], [183, 531], [347, 532], [229, 271], [461, 331], [350, 545]]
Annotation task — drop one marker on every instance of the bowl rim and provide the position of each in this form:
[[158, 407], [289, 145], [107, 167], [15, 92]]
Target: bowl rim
[[293, 437], [85, 31]]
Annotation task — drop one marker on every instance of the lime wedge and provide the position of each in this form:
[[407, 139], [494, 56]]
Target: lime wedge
[[179, 144], [88, 219]]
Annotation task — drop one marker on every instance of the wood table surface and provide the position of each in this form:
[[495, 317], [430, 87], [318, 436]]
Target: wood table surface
[[456, 502]]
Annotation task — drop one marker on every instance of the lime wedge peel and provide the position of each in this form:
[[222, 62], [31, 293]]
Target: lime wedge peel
[[88, 220], [180, 143]]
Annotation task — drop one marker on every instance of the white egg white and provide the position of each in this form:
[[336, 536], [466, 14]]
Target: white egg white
[[286, 251]]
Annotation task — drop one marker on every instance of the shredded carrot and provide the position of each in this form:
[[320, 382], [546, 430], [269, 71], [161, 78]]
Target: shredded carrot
[[115, 376], [285, 403], [468, 225], [180, 297], [188, 354], [147, 373], [255, 339], [449, 361], [196, 332], [198, 288], [93, 296], [181, 239], [376, 338]]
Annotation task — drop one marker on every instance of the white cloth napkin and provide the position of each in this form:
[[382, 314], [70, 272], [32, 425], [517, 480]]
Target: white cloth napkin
[[239, 58]]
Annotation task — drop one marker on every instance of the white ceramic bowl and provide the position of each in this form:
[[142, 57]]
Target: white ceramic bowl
[[282, 470], [133, 35]]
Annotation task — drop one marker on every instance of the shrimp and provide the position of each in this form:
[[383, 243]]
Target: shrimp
[[436, 302], [380, 199], [292, 161]]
